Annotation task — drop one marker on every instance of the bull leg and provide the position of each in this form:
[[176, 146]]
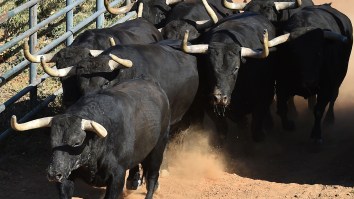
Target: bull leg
[[282, 111], [329, 118], [115, 183], [258, 117], [320, 107], [151, 166], [134, 178], [66, 189], [311, 102], [292, 107]]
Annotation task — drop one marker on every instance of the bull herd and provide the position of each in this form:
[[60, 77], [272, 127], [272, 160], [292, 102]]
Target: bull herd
[[127, 87]]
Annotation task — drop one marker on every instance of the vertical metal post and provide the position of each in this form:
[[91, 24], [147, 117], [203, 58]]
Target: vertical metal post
[[32, 44], [100, 18], [69, 22]]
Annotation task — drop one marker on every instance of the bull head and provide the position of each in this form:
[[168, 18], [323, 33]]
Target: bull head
[[86, 125], [245, 52]]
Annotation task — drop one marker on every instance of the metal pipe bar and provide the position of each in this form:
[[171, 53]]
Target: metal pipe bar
[[29, 115], [23, 92], [32, 44], [37, 27], [4, 17], [69, 22], [100, 18]]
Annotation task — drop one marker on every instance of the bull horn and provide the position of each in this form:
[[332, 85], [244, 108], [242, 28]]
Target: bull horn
[[285, 5], [299, 2], [210, 11], [116, 61], [170, 2], [201, 48], [279, 40], [36, 58], [95, 53], [140, 10], [56, 72], [247, 52], [93, 126], [111, 41], [234, 6], [334, 36], [121, 10], [200, 25], [34, 124]]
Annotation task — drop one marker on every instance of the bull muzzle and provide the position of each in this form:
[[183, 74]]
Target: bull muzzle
[[220, 99]]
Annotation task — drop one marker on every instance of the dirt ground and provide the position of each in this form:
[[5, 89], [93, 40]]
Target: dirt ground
[[286, 165]]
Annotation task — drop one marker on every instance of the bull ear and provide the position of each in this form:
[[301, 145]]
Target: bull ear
[[34, 124], [201, 48], [234, 6], [95, 53], [93, 126]]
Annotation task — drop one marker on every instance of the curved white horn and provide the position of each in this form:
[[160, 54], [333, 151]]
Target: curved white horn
[[299, 3], [93, 126], [34, 124], [170, 2], [210, 11], [125, 62], [279, 40], [201, 48], [95, 53], [284, 5], [140, 10], [200, 25], [36, 58], [234, 6], [121, 10], [57, 72], [111, 41], [247, 52], [334, 36]]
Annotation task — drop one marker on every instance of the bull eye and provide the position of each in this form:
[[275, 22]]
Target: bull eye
[[77, 144]]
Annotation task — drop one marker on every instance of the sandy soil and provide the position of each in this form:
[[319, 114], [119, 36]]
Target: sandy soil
[[286, 165]]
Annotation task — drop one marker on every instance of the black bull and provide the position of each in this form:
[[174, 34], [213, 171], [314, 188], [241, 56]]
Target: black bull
[[131, 121], [186, 15], [175, 70], [239, 85], [137, 31], [314, 61]]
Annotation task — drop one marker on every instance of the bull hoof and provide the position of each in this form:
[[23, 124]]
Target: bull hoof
[[134, 184]]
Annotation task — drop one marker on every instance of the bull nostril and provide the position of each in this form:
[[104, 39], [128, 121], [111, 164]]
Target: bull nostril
[[216, 98], [59, 177]]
